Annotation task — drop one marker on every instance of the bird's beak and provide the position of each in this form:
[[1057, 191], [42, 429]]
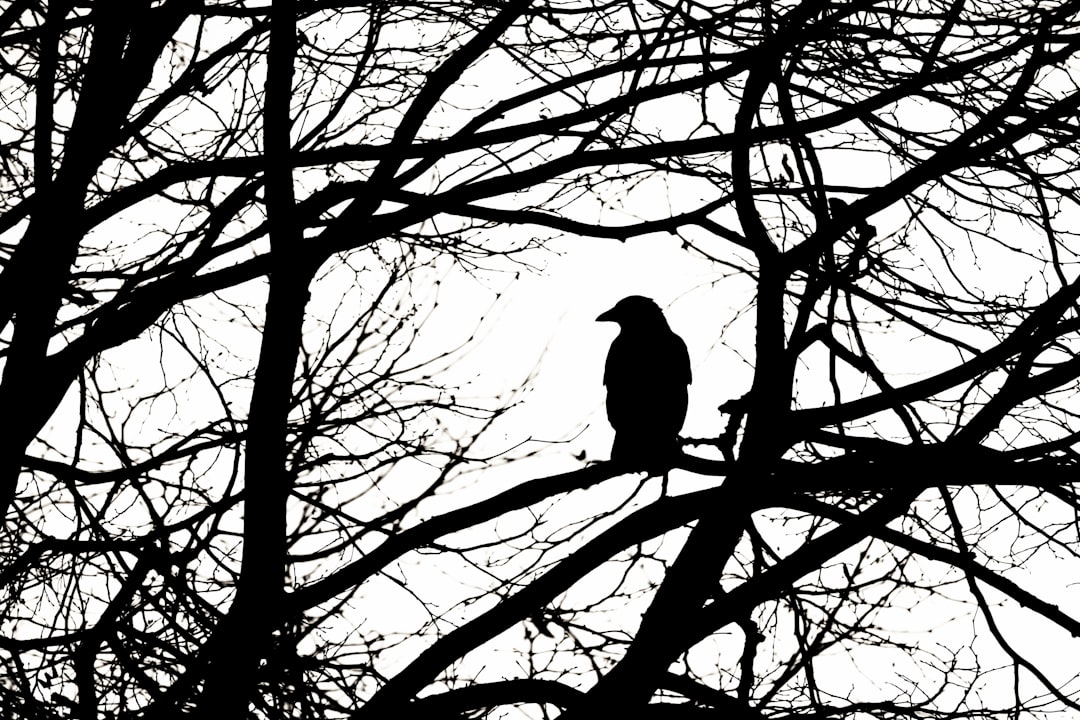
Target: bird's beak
[[608, 316]]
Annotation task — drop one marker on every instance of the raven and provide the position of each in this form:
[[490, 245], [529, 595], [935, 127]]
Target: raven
[[647, 371]]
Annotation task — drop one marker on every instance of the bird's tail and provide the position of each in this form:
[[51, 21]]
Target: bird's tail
[[645, 453]]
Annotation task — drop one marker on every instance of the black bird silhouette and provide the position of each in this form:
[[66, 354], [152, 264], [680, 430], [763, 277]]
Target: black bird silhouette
[[647, 371]]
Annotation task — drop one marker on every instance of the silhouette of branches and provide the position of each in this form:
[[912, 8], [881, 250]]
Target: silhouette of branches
[[244, 472]]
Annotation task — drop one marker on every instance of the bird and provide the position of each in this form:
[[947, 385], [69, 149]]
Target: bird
[[646, 374]]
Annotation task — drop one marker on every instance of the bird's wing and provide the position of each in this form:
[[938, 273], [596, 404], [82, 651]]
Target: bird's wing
[[680, 360], [646, 379]]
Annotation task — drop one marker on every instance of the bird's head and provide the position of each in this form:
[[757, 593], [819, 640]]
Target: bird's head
[[635, 312]]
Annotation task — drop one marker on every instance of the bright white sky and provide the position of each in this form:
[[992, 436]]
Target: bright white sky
[[550, 318]]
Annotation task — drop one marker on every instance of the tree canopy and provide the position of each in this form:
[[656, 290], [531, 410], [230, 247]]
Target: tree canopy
[[241, 473]]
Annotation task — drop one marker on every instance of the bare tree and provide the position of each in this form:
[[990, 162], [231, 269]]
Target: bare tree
[[237, 469]]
